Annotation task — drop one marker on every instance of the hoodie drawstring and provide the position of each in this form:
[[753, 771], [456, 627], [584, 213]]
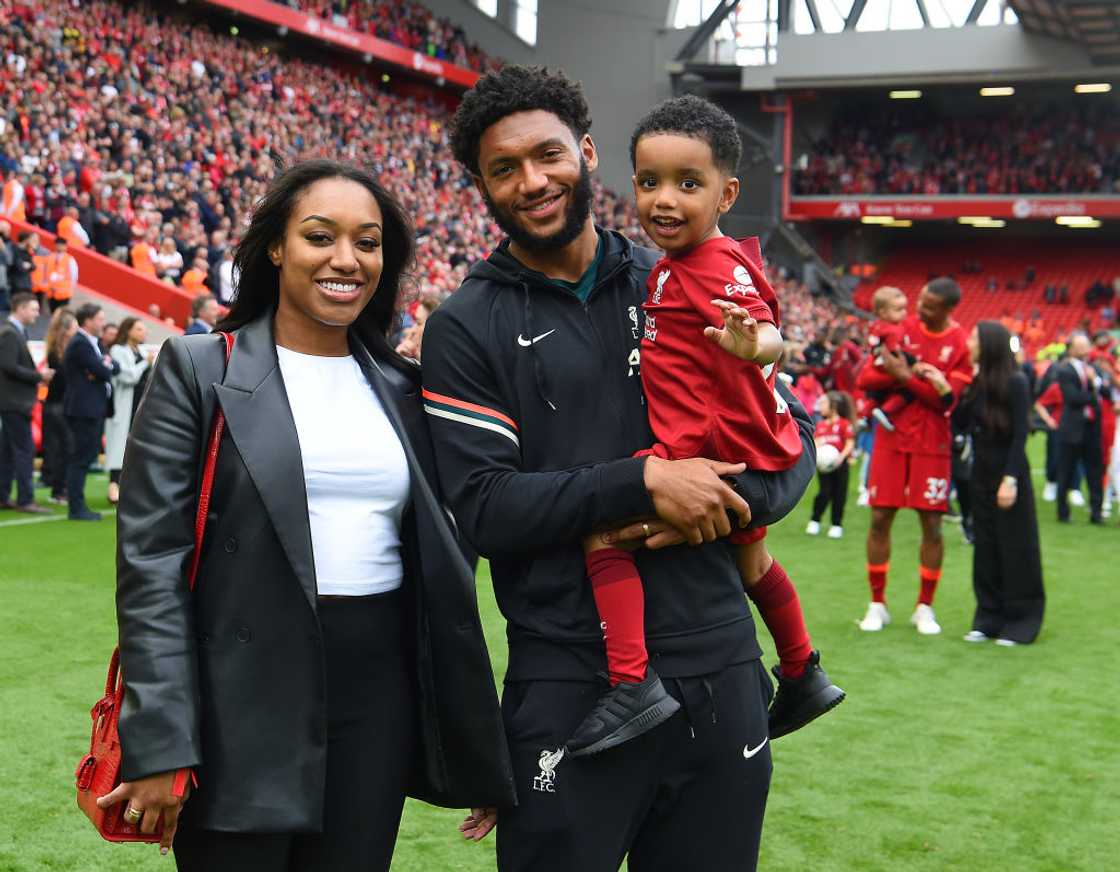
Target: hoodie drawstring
[[538, 368]]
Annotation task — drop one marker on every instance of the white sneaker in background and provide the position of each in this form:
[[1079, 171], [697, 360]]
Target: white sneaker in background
[[876, 618], [1076, 498], [864, 497], [975, 636], [813, 528], [835, 532], [925, 620], [1106, 509], [1050, 492]]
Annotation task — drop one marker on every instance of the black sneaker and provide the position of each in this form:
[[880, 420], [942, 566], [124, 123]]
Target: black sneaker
[[623, 713], [801, 700]]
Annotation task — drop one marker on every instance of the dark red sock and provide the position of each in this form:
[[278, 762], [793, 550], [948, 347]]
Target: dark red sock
[[929, 578], [617, 589], [777, 602], [877, 578]]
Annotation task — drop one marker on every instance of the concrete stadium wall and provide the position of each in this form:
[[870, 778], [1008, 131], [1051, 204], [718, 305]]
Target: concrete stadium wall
[[618, 50], [964, 54]]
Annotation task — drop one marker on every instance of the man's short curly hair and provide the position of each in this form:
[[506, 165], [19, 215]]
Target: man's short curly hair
[[697, 118], [515, 89]]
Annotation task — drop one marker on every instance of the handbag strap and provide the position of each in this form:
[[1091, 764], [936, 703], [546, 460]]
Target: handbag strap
[[207, 488]]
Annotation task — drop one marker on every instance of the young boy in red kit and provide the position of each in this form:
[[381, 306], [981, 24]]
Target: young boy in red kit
[[703, 402], [889, 306]]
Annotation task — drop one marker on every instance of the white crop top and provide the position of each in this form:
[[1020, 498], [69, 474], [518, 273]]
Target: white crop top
[[355, 472]]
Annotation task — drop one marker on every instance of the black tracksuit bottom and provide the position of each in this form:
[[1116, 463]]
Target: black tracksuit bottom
[[371, 729], [833, 489], [689, 794]]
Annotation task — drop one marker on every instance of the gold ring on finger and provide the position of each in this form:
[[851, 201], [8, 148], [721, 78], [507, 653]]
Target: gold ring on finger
[[645, 529], [133, 815]]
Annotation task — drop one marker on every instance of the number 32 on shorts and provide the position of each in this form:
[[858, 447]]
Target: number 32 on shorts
[[937, 490]]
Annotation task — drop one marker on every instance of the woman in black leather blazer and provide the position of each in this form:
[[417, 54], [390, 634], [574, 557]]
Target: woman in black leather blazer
[[304, 719]]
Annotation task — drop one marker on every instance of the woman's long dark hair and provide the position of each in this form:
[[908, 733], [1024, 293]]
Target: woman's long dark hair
[[122, 332], [993, 377], [258, 283]]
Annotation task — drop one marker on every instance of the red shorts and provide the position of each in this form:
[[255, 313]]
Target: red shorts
[[898, 480], [747, 537]]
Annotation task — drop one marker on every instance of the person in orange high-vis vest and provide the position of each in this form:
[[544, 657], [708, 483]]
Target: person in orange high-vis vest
[[194, 279], [62, 274], [14, 203], [70, 229], [142, 257]]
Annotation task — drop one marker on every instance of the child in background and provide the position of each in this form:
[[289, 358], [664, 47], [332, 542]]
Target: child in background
[[889, 306], [835, 429], [703, 402]]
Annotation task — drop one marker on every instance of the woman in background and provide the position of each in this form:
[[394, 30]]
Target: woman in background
[[835, 429], [56, 435], [127, 385], [1006, 562]]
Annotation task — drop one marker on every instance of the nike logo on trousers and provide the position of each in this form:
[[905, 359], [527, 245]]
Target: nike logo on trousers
[[749, 752]]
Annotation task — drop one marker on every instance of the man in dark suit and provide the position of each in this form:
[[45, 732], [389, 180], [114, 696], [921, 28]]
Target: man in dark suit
[[204, 315], [19, 385], [1079, 431], [88, 372]]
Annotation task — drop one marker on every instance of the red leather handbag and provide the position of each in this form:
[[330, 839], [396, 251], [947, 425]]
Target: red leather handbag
[[99, 771]]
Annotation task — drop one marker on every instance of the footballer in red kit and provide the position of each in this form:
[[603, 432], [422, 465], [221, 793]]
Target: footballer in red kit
[[911, 465]]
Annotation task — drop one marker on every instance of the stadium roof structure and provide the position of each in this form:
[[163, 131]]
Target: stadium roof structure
[[1093, 23]]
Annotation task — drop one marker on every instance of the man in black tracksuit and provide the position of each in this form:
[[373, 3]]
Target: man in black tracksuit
[[532, 387]]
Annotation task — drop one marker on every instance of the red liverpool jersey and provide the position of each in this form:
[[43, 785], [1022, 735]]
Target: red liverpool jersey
[[704, 402], [835, 433], [922, 427]]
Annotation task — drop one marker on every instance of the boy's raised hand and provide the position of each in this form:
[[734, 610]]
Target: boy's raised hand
[[739, 334]]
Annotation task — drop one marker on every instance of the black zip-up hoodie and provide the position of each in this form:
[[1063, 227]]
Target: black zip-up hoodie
[[536, 408]]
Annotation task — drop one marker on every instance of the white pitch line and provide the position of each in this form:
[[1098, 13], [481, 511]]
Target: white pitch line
[[43, 519]]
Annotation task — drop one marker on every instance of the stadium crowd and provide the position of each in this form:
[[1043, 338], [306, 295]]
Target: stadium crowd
[[405, 23], [1041, 150], [158, 135]]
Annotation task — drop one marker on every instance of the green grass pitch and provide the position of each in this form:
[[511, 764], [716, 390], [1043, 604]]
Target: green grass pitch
[[946, 756]]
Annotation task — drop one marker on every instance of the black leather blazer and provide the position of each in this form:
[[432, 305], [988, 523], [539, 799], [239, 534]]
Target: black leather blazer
[[230, 679]]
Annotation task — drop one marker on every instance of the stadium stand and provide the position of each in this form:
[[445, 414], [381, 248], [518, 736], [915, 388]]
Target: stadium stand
[[1037, 149], [405, 23], [997, 284], [157, 127]]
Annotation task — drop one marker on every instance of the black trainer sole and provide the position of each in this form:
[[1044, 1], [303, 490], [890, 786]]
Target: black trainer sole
[[642, 722], [820, 703]]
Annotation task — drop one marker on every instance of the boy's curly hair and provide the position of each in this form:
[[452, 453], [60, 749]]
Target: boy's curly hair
[[515, 89], [697, 118]]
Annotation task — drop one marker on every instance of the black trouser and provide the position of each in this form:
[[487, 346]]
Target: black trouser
[[56, 448], [371, 730], [685, 795], [85, 445], [17, 457], [1088, 453], [1053, 452], [834, 490]]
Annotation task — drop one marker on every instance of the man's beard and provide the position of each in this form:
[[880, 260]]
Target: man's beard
[[575, 217]]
